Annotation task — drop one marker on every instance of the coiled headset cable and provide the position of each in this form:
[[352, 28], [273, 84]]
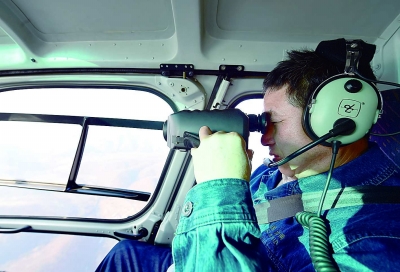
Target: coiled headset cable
[[319, 243]]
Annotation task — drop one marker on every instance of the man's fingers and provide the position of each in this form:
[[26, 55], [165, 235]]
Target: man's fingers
[[210, 158], [204, 132]]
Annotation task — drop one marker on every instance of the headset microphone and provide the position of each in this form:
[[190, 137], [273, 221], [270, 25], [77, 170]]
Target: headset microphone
[[343, 126]]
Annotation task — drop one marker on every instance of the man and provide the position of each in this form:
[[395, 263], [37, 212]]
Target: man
[[362, 237], [218, 229]]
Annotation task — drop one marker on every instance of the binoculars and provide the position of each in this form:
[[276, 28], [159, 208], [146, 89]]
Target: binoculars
[[181, 130]]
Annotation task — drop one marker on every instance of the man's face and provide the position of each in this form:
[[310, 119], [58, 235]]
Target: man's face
[[285, 135]]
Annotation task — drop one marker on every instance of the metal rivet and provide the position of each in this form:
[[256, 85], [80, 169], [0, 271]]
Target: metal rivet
[[187, 209]]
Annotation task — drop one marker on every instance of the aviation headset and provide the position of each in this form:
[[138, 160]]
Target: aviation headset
[[344, 96]]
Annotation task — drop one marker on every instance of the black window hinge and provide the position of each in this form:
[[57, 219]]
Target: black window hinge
[[177, 70], [230, 71]]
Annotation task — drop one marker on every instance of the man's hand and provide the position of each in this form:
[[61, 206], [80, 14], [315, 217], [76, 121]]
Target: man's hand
[[221, 155]]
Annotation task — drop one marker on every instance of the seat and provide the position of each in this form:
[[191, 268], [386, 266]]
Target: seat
[[389, 123]]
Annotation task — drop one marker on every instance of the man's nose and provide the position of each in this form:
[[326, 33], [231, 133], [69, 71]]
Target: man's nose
[[267, 138]]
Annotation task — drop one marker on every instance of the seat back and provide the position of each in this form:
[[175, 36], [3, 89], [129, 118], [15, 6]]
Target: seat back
[[389, 123]]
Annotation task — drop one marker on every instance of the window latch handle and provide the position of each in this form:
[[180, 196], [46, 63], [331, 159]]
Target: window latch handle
[[14, 230], [142, 232]]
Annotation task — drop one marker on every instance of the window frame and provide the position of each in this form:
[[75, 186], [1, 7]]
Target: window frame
[[84, 122]]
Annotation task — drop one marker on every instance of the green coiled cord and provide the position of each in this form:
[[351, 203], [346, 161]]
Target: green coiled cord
[[319, 241]]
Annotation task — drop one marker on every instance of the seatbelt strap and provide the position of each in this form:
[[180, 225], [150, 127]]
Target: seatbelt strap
[[284, 207]]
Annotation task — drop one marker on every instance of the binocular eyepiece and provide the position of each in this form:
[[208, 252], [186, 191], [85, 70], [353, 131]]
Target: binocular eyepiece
[[182, 128], [258, 122]]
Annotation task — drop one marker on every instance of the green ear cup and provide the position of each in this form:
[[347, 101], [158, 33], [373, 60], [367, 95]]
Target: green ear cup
[[342, 96]]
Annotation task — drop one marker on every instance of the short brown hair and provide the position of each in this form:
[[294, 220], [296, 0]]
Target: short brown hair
[[302, 72]]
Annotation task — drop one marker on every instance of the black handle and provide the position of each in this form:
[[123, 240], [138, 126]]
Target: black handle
[[14, 230], [142, 232]]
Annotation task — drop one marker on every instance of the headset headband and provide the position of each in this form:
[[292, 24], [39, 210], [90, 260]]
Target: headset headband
[[336, 51]]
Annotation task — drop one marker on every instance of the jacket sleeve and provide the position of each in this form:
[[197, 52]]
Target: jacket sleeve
[[218, 229]]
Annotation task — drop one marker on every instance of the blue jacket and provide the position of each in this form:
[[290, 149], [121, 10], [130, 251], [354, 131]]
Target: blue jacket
[[218, 228]]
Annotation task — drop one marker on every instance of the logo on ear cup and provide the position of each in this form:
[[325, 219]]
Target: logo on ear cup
[[349, 108]]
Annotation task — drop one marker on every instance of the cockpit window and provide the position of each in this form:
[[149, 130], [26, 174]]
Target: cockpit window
[[47, 169]]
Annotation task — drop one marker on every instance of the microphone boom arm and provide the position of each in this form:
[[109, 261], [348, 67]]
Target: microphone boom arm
[[344, 126]]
